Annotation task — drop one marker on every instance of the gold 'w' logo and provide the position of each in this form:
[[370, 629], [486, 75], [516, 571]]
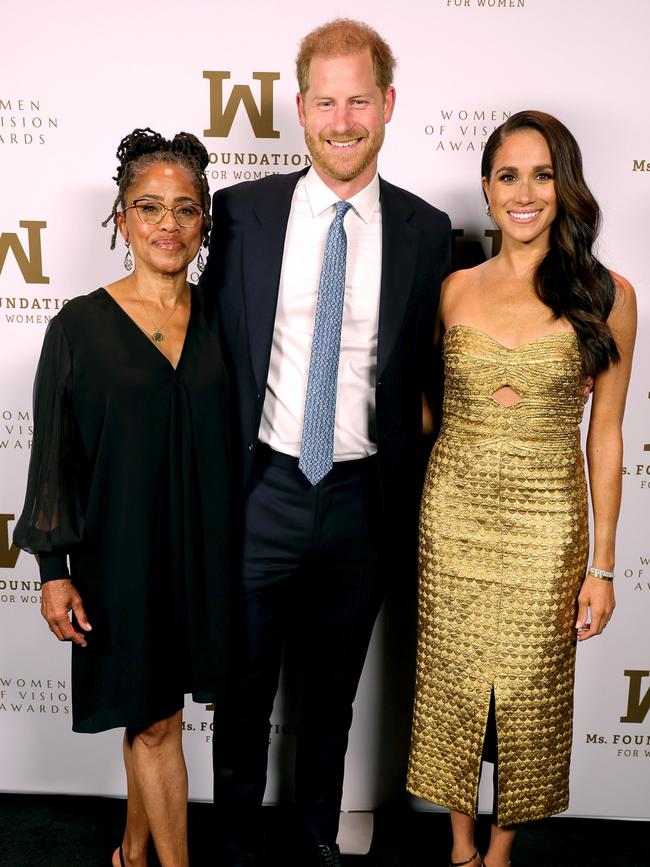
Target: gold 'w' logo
[[637, 707], [8, 551], [31, 265], [261, 118]]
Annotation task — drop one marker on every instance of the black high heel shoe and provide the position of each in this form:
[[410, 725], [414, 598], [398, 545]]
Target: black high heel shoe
[[468, 861]]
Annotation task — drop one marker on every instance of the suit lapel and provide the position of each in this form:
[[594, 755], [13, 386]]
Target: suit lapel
[[263, 248], [397, 267]]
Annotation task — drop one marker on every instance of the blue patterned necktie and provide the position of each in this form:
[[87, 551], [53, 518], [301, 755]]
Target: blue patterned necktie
[[317, 447]]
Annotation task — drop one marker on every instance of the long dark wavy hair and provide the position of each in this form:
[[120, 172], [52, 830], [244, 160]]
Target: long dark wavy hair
[[569, 279], [143, 148]]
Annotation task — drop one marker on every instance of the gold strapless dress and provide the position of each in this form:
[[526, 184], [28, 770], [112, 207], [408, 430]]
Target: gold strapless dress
[[503, 552]]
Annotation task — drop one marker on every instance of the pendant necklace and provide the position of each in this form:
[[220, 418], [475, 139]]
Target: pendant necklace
[[157, 336]]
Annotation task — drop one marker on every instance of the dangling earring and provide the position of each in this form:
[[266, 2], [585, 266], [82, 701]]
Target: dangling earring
[[200, 263], [487, 209], [128, 259]]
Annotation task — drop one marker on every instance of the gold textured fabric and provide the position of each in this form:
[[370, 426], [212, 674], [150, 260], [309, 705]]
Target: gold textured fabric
[[503, 551]]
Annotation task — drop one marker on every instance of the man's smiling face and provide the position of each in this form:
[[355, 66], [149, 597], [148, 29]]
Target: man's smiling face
[[344, 114]]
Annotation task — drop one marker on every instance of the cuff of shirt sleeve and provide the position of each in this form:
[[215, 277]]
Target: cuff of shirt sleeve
[[53, 566]]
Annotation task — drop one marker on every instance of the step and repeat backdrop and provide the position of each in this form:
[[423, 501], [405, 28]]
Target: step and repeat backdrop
[[77, 76]]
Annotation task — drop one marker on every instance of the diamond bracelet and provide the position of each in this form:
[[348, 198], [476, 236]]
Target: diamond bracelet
[[600, 573]]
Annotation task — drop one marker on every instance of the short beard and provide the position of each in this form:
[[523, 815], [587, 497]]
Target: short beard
[[339, 172]]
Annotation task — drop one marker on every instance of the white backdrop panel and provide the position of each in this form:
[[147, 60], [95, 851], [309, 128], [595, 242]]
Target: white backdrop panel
[[78, 76]]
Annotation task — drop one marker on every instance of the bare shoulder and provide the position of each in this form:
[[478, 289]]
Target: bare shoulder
[[458, 284], [459, 280], [625, 294], [623, 316]]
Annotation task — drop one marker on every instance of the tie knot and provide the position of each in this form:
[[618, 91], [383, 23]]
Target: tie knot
[[341, 209]]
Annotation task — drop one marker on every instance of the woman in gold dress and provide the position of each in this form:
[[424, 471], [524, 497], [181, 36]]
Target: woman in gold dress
[[504, 585]]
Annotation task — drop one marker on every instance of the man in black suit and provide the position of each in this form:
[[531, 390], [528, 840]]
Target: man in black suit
[[327, 312]]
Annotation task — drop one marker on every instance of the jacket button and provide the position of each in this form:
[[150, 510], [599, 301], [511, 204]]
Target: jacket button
[[251, 447]]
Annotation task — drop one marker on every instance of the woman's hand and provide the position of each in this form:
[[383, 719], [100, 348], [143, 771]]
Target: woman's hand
[[58, 598], [597, 596], [427, 417]]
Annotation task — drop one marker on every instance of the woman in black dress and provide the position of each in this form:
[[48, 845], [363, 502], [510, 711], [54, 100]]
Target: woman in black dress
[[128, 499]]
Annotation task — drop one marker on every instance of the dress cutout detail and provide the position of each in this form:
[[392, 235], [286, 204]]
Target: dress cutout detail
[[503, 552]]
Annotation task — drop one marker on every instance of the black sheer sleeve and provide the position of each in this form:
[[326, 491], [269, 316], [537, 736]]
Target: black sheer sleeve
[[52, 519]]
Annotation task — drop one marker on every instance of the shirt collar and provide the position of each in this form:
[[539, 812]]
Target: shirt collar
[[320, 197]]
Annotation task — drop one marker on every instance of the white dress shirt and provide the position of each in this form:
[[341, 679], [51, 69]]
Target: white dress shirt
[[312, 211]]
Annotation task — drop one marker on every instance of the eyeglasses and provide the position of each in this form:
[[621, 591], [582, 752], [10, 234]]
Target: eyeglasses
[[187, 214]]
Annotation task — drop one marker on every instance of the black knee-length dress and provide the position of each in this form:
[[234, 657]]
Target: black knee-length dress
[[130, 480]]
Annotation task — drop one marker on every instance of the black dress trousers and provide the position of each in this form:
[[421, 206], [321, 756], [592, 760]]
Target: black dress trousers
[[313, 579]]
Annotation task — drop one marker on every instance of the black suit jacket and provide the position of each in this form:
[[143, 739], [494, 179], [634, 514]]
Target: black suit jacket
[[244, 264]]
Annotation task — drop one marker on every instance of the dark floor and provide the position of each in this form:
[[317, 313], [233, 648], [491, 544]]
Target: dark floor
[[63, 831]]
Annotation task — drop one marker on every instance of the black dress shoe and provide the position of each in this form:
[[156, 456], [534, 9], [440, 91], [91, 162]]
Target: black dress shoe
[[241, 859], [329, 855], [234, 856]]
